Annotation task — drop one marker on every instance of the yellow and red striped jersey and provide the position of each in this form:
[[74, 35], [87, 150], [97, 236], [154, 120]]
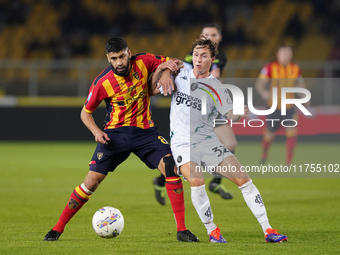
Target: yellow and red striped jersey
[[281, 76], [127, 97]]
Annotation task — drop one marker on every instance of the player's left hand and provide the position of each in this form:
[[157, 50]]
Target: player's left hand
[[101, 137], [246, 112], [235, 118], [172, 65]]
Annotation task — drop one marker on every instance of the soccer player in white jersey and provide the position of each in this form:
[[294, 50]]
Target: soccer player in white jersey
[[223, 131], [193, 140]]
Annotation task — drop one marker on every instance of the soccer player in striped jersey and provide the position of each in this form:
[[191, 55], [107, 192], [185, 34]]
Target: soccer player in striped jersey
[[128, 127], [279, 74]]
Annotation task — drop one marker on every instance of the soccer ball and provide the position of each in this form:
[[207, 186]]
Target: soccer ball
[[108, 222]]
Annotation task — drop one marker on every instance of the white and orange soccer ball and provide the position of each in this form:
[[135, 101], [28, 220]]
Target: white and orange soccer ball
[[108, 222]]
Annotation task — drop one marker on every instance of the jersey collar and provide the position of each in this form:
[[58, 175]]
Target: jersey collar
[[192, 75]]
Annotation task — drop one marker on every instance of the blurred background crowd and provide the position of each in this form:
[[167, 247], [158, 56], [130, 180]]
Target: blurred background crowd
[[76, 31], [251, 29]]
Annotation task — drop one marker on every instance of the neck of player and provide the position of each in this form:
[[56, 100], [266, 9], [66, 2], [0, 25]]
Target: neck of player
[[201, 75]]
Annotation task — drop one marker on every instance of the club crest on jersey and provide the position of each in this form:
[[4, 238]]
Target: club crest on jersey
[[178, 191], [73, 204], [179, 159], [100, 155], [136, 75]]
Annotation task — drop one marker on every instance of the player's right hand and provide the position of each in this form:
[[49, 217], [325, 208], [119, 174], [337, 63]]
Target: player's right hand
[[101, 137], [167, 84]]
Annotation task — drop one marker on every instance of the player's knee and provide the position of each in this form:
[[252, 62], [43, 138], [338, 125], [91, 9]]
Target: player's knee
[[91, 184], [93, 180], [196, 182], [241, 181], [232, 145], [269, 135], [291, 132], [169, 166]]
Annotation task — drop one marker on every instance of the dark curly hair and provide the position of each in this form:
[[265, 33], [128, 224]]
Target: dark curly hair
[[115, 44], [204, 42]]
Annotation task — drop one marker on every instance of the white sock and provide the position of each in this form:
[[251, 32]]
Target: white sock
[[201, 203], [254, 201]]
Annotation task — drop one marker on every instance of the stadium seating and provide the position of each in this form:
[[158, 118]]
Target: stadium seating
[[42, 35]]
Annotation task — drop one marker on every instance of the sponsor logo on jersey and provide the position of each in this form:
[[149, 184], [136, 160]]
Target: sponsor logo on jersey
[[193, 102], [88, 98], [130, 89], [133, 98], [184, 78]]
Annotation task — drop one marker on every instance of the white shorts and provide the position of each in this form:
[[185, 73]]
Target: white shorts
[[209, 152]]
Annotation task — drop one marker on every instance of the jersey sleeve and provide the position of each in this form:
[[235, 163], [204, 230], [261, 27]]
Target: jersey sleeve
[[97, 93], [223, 104], [152, 61], [265, 72], [227, 103]]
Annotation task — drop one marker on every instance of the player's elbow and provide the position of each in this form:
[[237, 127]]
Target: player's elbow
[[84, 114], [229, 115]]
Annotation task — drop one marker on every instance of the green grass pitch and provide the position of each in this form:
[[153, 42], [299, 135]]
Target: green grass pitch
[[36, 180]]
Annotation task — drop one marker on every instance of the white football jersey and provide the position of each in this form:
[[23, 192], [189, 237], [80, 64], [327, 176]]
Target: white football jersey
[[194, 106]]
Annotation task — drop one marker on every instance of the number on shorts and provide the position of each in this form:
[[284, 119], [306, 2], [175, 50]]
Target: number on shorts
[[216, 149], [163, 140]]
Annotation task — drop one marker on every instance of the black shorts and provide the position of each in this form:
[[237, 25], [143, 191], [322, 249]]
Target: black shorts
[[148, 144], [275, 125]]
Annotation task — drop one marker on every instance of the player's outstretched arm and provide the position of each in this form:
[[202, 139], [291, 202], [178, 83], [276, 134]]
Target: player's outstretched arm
[[99, 135], [162, 76], [235, 118]]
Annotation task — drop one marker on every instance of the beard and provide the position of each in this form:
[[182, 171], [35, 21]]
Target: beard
[[124, 70]]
